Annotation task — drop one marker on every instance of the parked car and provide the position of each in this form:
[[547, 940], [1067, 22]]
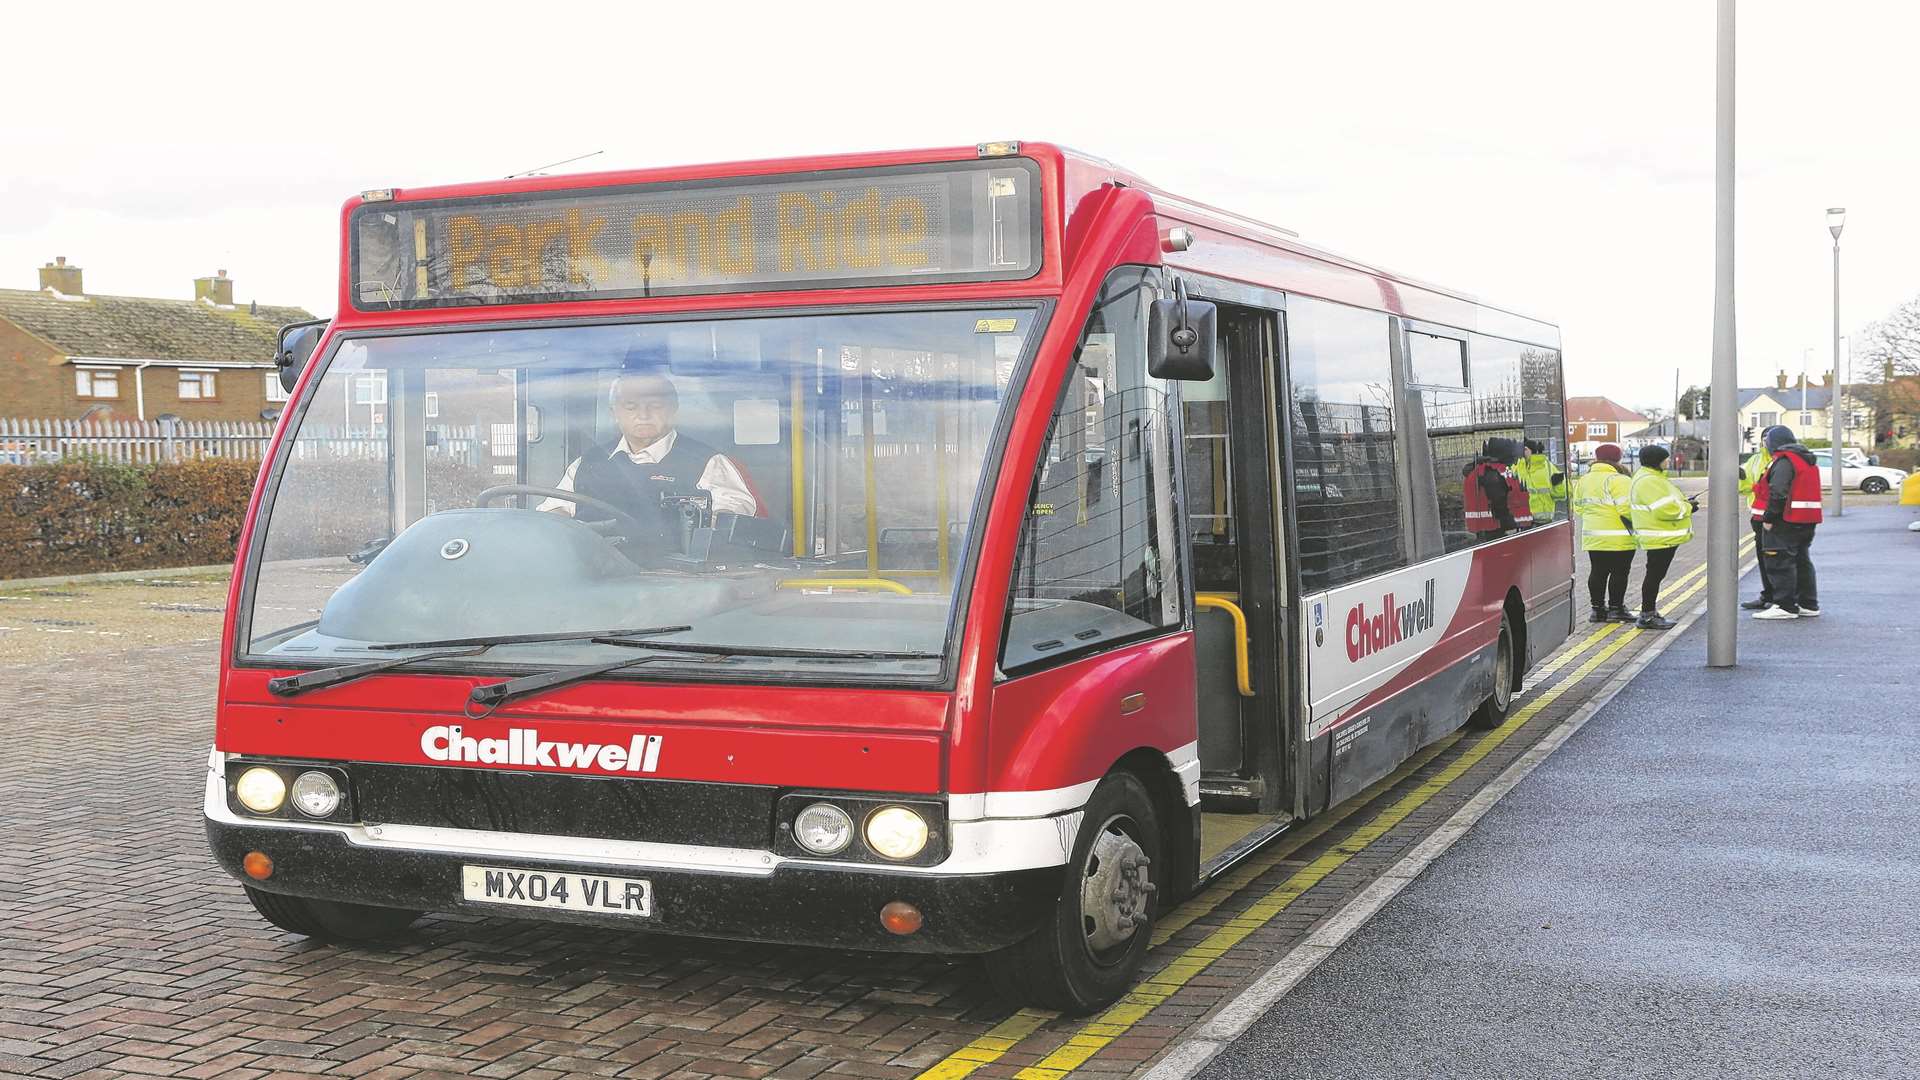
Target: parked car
[[1856, 473]]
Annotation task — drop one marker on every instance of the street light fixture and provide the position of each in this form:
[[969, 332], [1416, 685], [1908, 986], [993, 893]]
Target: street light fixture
[[1837, 220]]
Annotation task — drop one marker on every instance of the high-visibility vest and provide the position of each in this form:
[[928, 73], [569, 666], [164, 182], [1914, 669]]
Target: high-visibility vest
[[1536, 471], [1662, 517], [1752, 472], [1602, 499], [1803, 499], [1479, 513]]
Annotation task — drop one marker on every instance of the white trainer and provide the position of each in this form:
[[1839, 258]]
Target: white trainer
[[1809, 612], [1776, 613]]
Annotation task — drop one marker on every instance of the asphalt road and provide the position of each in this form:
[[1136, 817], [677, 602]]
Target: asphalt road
[[1718, 876]]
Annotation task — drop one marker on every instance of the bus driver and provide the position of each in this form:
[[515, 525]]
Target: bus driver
[[649, 460]]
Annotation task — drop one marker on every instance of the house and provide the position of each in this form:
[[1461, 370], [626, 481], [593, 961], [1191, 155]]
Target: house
[[1806, 408], [1595, 420], [69, 355]]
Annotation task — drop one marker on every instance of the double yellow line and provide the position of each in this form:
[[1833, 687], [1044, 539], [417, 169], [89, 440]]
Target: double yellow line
[[1156, 988]]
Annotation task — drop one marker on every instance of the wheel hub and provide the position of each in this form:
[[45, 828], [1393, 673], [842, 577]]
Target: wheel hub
[[1116, 891]]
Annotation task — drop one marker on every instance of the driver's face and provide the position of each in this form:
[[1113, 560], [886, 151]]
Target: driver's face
[[644, 408]]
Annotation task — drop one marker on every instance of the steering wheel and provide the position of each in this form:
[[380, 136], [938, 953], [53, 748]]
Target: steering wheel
[[620, 517]]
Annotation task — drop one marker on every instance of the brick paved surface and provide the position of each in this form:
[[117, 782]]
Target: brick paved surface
[[125, 952]]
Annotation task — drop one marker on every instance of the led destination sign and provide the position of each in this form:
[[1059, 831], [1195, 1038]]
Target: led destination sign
[[963, 221]]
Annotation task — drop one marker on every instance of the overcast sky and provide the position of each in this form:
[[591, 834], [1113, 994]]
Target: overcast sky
[[1552, 158]]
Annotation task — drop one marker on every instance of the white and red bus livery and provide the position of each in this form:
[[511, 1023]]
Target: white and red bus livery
[[965, 551]]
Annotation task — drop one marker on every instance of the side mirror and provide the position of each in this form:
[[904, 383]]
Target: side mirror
[[1182, 337], [297, 343]]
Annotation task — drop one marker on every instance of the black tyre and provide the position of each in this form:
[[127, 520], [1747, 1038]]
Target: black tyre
[[1499, 705], [1090, 949], [1873, 485], [329, 920]]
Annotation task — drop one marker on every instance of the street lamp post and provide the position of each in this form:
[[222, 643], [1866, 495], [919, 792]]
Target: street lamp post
[[1723, 510], [1836, 220]]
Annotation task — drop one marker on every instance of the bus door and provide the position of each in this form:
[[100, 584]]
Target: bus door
[[1236, 550]]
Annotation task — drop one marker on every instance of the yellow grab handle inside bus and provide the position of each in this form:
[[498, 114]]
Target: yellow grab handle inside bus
[[1222, 603], [847, 583]]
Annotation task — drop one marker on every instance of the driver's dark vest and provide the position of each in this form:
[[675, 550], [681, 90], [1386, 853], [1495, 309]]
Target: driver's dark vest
[[636, 488]]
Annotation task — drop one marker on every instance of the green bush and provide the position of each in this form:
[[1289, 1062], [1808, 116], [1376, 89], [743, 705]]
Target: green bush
[[79, 517], [1900, 457]]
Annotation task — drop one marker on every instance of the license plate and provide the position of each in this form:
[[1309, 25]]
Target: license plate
[[569, 892]]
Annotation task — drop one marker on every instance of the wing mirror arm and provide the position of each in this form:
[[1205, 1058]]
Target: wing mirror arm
[[1182, 337]]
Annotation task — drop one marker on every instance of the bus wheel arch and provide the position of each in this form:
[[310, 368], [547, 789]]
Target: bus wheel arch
[[1516, 613], [1509, 667], [1179, 822]]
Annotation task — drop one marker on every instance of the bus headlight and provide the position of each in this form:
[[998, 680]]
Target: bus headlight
[[260, 790], [896, 832], [316, 794], [823, 829]]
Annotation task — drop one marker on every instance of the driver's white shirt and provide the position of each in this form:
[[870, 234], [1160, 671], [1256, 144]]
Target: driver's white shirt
[[720, 479]]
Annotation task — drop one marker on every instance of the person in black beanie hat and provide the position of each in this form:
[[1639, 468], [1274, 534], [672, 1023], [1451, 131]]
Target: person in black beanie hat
[[1662, 521], [1792, 512]]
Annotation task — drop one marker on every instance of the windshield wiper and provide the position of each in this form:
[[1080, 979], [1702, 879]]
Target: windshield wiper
[[768, 650], [493, 695], [294, 685]]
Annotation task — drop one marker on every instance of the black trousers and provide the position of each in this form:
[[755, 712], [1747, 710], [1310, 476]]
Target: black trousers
[[1759, 544], [1607, 577], [1658, 560], [1788, 567]]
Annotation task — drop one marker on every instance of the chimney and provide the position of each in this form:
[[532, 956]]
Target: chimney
[[1780, 381], [1826, 379], [217, 289], [60, 277]]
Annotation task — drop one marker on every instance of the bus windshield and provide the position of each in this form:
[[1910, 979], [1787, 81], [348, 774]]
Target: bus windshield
[[800, 488]]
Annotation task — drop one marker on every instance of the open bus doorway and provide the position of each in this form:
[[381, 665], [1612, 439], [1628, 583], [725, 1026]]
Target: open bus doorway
[[1232, 456]]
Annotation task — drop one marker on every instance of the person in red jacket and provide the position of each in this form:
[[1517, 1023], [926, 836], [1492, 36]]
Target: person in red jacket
[[1791, 487], [1495, 501]]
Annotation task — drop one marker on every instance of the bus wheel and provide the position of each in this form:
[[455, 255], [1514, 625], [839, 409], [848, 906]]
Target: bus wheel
[[329, 920], [1499, 705], [1090, 949]]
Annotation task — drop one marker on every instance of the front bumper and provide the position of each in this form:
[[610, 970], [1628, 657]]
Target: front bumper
[[793, 903]]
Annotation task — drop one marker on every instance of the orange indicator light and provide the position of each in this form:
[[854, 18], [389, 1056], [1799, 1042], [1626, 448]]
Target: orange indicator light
[[900, 917], [259, 867]]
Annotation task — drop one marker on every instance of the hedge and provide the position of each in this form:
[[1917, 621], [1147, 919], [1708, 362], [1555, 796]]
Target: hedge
[[79, 517]]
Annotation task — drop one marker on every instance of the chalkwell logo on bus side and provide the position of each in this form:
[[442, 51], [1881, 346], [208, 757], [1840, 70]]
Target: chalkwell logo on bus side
[[524, 746], [1368, 633]]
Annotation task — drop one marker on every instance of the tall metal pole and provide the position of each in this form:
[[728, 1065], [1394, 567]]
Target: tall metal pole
[[1833, 399], [1723, 502]]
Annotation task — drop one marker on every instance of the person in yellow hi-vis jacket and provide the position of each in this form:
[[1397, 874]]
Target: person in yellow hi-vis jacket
[[1662, 521], [1606, 533], [1546, 485], [1751, 471]]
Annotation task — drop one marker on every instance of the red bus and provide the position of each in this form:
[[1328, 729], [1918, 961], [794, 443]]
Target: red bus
[[967, 551]]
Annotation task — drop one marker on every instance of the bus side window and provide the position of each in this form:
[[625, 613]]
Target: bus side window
[[1098, 560]]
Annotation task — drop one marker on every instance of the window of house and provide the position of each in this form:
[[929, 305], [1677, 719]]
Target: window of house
[[1806, 419], [1341, 414], [370, 389], [433, 404], [96, 382], [197, 386], [1766, 420], [1599, 431], [1099, 555], [275, 392]]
